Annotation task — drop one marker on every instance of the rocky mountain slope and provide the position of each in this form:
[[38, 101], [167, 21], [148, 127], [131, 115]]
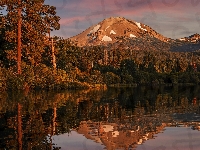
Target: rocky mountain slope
[[195, 38], [186, 44], [111, 29], [127, 34]]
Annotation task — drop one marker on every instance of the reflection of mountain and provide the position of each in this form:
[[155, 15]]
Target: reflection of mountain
[[133, 127], [133, 130], [116, 136], [117, 118]]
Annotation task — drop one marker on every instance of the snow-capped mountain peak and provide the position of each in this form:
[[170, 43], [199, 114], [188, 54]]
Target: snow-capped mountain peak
[[111, 28]]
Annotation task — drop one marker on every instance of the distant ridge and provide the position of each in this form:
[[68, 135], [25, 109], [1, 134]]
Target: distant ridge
[[194, 38]]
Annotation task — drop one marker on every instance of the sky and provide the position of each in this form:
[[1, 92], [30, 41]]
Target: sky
[[171, 18]]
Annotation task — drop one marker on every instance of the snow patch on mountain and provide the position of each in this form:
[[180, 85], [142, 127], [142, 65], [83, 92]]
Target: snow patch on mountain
[[139, 25], [108, 128], [182, 39], [106, 38], [112, 32], [115, 133], [131, 35], [95, 29]]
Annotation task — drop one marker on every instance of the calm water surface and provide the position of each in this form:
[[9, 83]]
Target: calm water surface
[[142, 118]]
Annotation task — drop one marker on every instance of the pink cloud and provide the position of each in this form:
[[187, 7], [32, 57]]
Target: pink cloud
[[84, 13], [91, 9], [67, 21]]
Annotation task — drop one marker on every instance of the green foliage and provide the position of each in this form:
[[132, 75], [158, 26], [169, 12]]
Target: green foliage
[[111, 78], [39, 77], [127, 79], [128, 66], [67, 55], [97, 77], [174, 78]]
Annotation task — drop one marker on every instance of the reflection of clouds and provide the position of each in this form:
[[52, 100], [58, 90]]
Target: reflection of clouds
[[174, 138], [131, 132], [129, 128]]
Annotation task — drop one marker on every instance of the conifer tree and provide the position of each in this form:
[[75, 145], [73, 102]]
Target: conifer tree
[[27, 23]]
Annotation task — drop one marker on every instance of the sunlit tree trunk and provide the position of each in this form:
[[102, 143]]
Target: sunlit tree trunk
[[31, 16], [53, 55], [19, 126], [52, 50], [19, 39]]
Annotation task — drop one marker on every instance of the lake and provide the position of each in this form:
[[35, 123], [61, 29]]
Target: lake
[[142, 118]]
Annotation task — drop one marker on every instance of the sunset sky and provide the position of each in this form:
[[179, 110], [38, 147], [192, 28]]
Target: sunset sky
[[172, 18]]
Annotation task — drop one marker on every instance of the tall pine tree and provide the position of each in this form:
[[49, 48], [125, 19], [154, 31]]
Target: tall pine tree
[[27, 23]]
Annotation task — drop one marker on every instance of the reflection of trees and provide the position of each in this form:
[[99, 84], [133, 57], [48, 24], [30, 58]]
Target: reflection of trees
[[35, 117], [32, 119], [133, 118], [67, 117]]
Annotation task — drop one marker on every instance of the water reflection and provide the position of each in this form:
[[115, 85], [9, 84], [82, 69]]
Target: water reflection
[[115, 118]]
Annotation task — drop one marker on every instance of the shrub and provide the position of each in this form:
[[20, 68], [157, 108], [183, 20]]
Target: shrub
[[111, 78]]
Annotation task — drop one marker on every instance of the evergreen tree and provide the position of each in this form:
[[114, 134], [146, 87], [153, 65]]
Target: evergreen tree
[[27, 24]]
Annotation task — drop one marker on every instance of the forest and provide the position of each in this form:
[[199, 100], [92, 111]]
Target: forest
[[30, 58]]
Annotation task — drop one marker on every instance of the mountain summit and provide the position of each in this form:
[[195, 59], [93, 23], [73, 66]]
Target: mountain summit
[[110, 29]]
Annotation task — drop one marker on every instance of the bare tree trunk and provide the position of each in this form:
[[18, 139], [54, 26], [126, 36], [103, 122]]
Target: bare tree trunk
[[19, 70]]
